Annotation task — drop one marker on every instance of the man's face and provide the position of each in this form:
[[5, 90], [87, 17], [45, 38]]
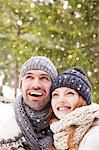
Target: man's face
[[36, 88]]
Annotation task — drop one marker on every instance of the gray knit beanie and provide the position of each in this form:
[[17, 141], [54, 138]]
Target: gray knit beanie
[[38, 62], [74, 78]]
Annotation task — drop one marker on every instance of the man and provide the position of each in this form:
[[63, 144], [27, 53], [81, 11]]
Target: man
[[32, 107]]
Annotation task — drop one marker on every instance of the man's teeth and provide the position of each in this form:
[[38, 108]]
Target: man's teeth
[[35, 94]]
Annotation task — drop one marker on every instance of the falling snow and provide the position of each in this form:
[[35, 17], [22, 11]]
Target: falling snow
[[65, 31]]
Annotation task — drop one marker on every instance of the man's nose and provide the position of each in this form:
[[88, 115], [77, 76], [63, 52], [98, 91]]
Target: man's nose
[[36, 84]]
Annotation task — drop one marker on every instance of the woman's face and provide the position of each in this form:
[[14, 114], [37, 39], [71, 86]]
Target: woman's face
[[64, 100]]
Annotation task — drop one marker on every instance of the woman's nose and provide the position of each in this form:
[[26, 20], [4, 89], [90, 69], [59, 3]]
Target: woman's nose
[[62, 98]]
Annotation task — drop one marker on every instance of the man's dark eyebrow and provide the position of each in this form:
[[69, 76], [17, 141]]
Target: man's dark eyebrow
[[29, 73], [44, 74]]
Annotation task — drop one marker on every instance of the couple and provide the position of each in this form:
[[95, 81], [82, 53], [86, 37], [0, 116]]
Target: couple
[[54, 111]]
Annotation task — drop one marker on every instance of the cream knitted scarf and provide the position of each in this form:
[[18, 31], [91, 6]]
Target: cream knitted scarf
[[82, 118]]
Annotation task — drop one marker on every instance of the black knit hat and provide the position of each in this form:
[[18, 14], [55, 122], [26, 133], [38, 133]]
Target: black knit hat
[[74, 78]]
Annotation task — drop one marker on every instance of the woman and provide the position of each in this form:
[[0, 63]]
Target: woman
[[77, 123]]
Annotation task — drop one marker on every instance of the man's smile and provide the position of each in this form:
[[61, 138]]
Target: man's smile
[[35, 93]]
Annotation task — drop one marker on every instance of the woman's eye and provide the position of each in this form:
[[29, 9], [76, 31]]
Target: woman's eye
[[54, 94], [70, 93]]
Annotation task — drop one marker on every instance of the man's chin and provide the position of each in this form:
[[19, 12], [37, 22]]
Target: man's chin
[[37, 108], [35, 98], [35, 104]]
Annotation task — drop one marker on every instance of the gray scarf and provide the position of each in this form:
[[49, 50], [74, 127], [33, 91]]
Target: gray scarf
[[34, 125]]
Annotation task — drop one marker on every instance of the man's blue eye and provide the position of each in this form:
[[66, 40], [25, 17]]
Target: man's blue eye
[[45, 78], [27, 77]]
